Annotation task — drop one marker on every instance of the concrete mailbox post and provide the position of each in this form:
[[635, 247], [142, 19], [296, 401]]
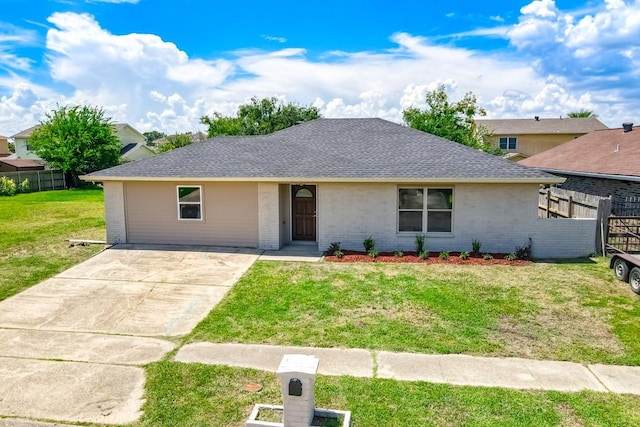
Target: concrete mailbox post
[[297, 373]]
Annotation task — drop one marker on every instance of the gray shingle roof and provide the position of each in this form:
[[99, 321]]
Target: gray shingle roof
[[328, 149], [532, 126], [26, 133]]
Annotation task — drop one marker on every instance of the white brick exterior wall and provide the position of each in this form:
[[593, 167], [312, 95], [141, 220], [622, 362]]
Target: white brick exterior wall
[[501, 216], [268, 216], [564, 238], [115, 212]]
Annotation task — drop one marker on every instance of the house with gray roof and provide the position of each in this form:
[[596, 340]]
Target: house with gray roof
[[335, 180], [134, 146], [521, 138]]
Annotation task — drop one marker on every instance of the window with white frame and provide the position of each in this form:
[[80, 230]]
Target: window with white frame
[[190, 202], [508, 142], [433, 214]]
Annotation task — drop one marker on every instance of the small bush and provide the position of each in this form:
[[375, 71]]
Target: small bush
[[511, 257], [420, 243], [487, 256], [373, 253], [464, 255], [444, 255], [423, 255], [7, 186], [338, 253], [369, 244], [475, 246], [24, 186], [398, 254], [333, 247], [524, 252]]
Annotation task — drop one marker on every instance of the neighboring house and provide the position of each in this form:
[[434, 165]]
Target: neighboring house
[[22, 147], [603, 163], [4, 147], [133, 143], [335, 180], [521, 138], [19, 165]]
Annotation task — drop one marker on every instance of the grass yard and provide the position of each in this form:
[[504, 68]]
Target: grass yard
[[573, 311], [198, 395], [34, 229]]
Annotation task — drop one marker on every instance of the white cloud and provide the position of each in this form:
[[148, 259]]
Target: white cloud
[[540, 9], [545, 102], [594, 50], [12, 37], [274, 38], [153, 84]]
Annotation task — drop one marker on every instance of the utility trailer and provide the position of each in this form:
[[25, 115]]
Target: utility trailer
[[626, 267]]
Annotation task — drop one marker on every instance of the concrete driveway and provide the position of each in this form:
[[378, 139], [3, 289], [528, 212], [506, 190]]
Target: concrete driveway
[[73, 345]]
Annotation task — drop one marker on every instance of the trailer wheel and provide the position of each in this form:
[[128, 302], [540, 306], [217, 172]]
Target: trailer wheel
[[621, 269], [634, 279]]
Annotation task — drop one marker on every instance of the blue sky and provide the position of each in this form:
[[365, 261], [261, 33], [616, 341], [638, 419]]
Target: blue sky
[[162, 64]]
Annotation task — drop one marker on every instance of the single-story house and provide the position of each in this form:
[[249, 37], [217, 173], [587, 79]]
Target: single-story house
[[603, 163], [133, 143], [521, 138], [335, 180], [20, 165]]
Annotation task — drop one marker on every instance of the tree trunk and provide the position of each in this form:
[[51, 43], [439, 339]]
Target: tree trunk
[[71, 179]]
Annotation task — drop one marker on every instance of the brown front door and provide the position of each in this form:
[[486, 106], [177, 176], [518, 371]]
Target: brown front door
[[303, 203]]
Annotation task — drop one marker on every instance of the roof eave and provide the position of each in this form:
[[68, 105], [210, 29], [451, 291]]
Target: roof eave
[[539, 180], [591, 174]]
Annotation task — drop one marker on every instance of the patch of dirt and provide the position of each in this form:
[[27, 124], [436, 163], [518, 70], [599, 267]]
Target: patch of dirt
[[546, 332], [408, 313], [569, 417], [434, 258]]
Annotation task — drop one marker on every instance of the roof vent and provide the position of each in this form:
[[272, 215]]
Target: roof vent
[[537, 118], [628, 127]]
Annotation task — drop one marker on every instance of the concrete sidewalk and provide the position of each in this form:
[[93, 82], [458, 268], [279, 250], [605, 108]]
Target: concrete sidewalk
[[455, 369]]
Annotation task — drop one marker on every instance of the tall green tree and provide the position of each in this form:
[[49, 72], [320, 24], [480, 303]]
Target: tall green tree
[[582, 113], [78, 140], [451, 120], [222, 125], [176, 141], [151, 136], [259, 117]]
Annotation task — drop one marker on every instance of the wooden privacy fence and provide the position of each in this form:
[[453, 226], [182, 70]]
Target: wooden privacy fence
[[623, 234], [39, 180], [559, 203]]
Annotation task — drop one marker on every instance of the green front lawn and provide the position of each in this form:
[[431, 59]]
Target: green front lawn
[[199, 395], [34, 229], [566, 311], [570, 311]]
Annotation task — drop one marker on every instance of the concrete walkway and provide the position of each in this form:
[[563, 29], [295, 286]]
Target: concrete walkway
[[74, 345], [512, 373]]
